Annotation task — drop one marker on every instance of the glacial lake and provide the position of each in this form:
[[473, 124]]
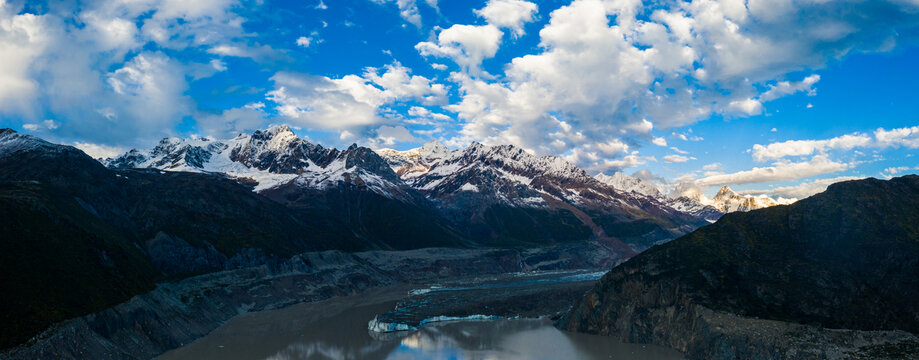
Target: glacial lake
[[337, 329]]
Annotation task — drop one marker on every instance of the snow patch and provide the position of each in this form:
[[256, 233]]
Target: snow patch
[[469, 187]]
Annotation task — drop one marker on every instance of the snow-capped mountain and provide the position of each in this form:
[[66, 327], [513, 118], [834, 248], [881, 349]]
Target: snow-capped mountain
[[545, 193], [627, 183], [727, 201], [353, 190], [495, 195], [691, 201], [415, 160], [638, 187], [270, 158]]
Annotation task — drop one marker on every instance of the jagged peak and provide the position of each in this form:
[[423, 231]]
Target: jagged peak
[[434, 144], [275, 129], [725, 191], [433, 148]]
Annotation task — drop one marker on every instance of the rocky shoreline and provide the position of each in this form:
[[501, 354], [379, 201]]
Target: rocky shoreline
[[701, 333], [178, 313]]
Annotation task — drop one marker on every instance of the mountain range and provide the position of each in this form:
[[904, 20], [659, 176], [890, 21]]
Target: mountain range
[[108, 230], [484, 195]]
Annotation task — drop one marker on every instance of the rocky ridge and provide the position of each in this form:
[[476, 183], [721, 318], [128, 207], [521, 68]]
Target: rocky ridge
[[767, 284], [498, 191]]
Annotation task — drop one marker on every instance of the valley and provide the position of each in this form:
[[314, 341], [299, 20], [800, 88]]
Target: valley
[[174, 242]]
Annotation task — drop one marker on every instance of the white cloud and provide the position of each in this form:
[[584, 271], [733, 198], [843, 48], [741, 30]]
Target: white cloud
[[897, 170], [678, 151], [420, 112], [321, 5], [713, 166], [746, 106], [100, 151], [675, 159], [231, 122], [659, 141], [218, 65], [785, 88], [152, 87], [808, 147], [44, 125], [801, 190], [605, 66], [70, 62], [325, 103], [466, 45], [908, 137], [304, 41], [390, 135], [612, 148], [509, 14], [408, 9], [818, 165]]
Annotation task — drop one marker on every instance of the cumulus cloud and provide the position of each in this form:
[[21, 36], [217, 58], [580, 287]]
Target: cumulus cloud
[[509, 14], [466, 45], [605, 66], [427, 116], [101, 68], [320, 102], [907, 137], [231, 122], [659, 141], [390, 135]]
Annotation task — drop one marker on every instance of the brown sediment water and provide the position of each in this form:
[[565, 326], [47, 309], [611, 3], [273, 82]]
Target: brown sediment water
[[337, 329]]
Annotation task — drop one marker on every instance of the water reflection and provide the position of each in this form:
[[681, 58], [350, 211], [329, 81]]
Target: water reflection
[[498, 339], [501, 339], [337, 330], [515, 339]]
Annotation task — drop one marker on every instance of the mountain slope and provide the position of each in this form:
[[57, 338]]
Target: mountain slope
[[502, 195], [845, 258], [80, 237], [354, 187]]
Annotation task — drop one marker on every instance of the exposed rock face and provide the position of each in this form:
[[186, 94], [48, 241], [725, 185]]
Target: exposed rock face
[[846, 258], [72, 226], [504, 195]]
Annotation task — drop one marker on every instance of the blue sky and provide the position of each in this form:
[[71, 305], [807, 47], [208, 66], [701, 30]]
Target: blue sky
[[775, 97]]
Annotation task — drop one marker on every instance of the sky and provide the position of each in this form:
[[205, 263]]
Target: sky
[[774, 97]]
